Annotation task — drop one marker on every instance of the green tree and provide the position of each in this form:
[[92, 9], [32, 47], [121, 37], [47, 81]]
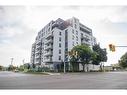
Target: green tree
[[21, 68], [1, 67], [85, 55], [74, 64], [123, 61], [11, 68], [33, 65], [101, 55]]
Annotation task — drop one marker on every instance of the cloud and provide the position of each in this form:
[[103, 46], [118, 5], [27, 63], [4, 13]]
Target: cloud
[[19, 26]]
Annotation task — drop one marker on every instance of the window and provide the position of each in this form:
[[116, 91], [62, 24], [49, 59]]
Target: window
[[75, 26], [76, 32], [73, 44], [66, 30], [59, 33], [59, 51], [48, 29], [76, 38], [66, 44], [59, 57], [73, 37], [59, 44], [72, 31], [77, 43], [59, 38], [66, 49]]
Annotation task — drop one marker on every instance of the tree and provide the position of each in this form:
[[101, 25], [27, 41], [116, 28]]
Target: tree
[[27, 66], [21, 68], [101, 55], [33, 65], [123, 61], [74, 64], [85, 54], [11, 68], [1, 67]]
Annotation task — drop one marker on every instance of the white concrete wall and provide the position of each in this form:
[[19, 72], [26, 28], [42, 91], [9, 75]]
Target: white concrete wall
[[90, 67], [56, 45]]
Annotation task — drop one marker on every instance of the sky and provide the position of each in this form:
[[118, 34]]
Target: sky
[[19, 26]]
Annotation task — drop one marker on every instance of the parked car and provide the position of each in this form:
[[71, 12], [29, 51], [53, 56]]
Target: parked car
[[16, 70]]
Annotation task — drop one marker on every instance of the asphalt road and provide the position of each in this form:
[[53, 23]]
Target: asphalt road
[[95, 80]]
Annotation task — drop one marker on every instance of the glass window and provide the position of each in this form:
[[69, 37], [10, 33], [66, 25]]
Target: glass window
[[59, 38], [59, 57], [73, 37], [75, 26], [73, 44], [59, 44], [77, 32], [72, 31], [59, 33], [49, 29], [76, 38], [59, 51]]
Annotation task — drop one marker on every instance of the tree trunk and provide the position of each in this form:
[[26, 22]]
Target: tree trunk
[[101, 66], [83, 67], [87, 67]]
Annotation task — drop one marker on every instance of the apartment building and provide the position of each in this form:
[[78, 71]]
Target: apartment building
[[57, 38]]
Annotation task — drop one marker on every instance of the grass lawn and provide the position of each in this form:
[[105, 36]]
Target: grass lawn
[[41, 73]]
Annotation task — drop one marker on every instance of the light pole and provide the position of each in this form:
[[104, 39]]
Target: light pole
[[64, 67], [65, 63]]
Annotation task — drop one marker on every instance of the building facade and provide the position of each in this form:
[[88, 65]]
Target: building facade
[[57, 38]]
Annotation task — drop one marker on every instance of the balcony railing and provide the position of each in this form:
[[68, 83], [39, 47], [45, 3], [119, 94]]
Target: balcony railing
[[49, 47], [49, 41], [49, 35], [48, 60], [49, 53]]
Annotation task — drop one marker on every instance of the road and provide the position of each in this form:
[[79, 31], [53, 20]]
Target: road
[[91, 80]]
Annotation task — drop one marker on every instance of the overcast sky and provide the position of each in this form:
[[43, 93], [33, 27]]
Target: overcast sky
[[19, 26]]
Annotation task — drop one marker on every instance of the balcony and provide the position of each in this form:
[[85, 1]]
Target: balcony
[[38, 42], [49, 35], [85, 29], [38, 46], [85, 43], [48, 60], [85, 38], [49, 47], [38, 56], [49, 41], [49, 53], [38, 51]]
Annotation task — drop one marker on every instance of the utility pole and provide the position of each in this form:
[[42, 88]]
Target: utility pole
[[23, 61], [64, 67], [63, 61], [12, 60]]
